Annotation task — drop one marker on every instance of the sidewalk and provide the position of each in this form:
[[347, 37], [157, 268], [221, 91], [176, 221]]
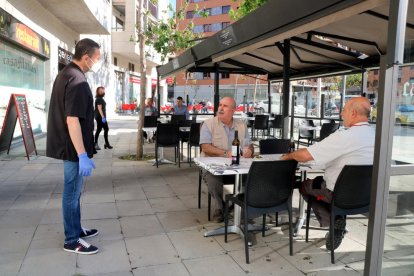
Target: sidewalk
[[148, 220]]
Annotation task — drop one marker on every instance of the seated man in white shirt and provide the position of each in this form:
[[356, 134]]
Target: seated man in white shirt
[[353, 145]]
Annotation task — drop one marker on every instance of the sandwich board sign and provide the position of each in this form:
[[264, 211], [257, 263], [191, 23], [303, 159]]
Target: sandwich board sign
[[17, 111]]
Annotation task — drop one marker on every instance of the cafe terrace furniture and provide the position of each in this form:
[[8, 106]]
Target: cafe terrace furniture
[[306, 133], [351, 196], [194, 138], [168, 136], [261, 123], [268, 189], [326, 130]]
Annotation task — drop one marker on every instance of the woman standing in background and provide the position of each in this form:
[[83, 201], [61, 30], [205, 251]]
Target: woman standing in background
[[100, 117]]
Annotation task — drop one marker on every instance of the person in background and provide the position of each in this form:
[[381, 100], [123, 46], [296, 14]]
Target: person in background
[[180, 108], [70, 138], [353, 145], [216, 136], [100, 117]]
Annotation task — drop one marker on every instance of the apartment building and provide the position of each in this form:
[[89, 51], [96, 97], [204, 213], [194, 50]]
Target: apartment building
[[199, 86]]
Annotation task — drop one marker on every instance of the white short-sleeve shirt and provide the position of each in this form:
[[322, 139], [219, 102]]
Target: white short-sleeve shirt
[[351, 146]]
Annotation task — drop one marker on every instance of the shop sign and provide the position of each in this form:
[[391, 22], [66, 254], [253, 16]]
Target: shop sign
[[64, 56], [14, 30], [134, 79]]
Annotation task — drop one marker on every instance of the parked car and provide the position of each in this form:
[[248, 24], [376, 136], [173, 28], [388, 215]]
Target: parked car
[[404, 114]]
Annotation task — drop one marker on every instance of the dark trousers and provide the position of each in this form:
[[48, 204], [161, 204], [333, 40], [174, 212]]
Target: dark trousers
[[99, 127], [317, 188]]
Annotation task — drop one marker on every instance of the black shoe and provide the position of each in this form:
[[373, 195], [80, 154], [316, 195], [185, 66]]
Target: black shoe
[[80, 247], [218, 216], [97, 147], [88, 233], [340, 223], [338, 237], [108, 146]]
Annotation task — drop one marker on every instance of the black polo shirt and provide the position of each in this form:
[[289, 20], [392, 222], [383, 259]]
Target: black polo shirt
[[100, 101], [71, 96]]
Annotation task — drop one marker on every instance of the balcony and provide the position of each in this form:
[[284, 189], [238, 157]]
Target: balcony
[[82, 16]]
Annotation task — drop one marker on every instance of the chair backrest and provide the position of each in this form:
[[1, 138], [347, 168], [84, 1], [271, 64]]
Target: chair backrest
[[278, 121], [195, 134], [306, 133], [353, 187], [270, 183], [274, 146], [175, 119], [185, 123], [150, 121], [167, 134], [260, 121], [328, 129]]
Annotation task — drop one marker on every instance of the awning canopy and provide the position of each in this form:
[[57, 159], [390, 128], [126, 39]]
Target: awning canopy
[[326, 37]]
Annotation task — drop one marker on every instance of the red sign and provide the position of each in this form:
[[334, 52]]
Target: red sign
[[27, 37], [134, 79], [169, 80]]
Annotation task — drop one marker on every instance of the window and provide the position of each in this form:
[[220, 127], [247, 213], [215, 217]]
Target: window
[[412, 80], [216, 10], [207, 28], [115, 61], [207, 11], [189, 15], [215, 27], [225, 75], [225, 9], [206, 75], [118, 24], [225, 25], [198, 76], [198, 29], [131, 67]]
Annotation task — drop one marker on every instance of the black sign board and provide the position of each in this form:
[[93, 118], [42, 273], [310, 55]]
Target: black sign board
[[17, 109]]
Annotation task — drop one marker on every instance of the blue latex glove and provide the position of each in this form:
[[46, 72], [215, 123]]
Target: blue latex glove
[[85, 165], [103, 120]]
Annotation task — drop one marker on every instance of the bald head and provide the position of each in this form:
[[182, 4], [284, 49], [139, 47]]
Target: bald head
[[355, 111], [361, 105]]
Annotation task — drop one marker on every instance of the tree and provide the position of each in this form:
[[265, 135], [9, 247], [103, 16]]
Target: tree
[[246, 7]]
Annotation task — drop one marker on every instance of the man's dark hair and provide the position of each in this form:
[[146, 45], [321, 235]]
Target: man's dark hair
[[179, 98], [85, 46]]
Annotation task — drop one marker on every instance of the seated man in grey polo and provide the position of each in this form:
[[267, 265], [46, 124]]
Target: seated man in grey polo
[[353, 145], [216, 136], [180, 108]]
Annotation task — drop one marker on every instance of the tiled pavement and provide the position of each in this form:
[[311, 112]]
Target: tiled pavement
[[148, 220]]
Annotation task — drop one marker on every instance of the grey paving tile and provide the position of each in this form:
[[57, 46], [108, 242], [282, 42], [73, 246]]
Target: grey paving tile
[[193, 244], [30, 202], [112, 257], [129, 192], [178, 221], [15, 239], [134, 208], [167, 204], [48, 236], [151, 250], [264, 261], [185, 188], [99, 210], [21, 218], [10, 263], [215, 265], [38, 262], [109, 229], [177, 269], [102, 196], [52, 216], [152, 180], [158, 191], [137, 226]]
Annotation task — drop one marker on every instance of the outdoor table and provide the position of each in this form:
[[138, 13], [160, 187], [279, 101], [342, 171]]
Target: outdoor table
[[221, 166]]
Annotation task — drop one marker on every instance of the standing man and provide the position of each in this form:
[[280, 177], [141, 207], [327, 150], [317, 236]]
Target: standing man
[[180, 108], [70, 138], [353, 145], [216, 136], [150, 109]]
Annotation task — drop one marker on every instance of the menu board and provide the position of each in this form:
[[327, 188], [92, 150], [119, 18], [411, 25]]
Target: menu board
[[17, 110]]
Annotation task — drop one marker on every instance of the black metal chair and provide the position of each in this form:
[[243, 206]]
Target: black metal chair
[[250, 123], [276, 124], [351, 196], [175, 119], [168, 137], [194, 138], [268, 189], [326, 130], [150, 121], [184, 135], [261, 123], [274, 146], [306, 133]]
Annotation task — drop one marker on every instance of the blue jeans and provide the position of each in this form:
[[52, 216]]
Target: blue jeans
[[73, 184]]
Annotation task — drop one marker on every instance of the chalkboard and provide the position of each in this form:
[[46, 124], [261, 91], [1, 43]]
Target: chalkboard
[[17, 109]]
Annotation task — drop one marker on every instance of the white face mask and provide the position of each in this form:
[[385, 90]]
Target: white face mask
[[95, 67]]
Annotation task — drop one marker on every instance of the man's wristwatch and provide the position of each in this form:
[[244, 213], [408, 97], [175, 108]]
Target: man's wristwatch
[[225, 153]]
